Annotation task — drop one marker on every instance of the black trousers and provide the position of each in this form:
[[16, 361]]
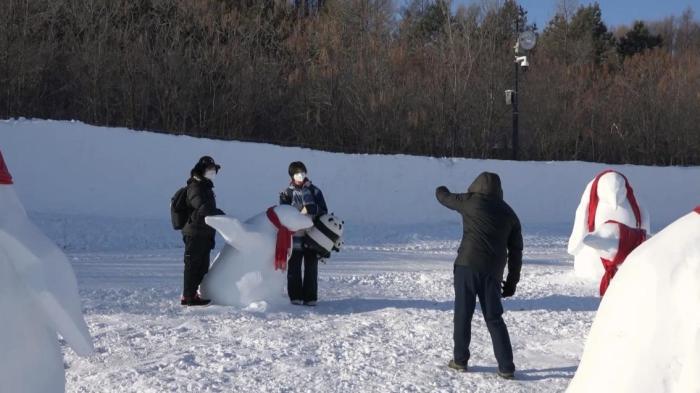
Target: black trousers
[[468, 286], [197, 250], [305, 289]]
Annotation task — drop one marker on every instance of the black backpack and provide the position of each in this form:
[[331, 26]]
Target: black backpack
[[179, 210]]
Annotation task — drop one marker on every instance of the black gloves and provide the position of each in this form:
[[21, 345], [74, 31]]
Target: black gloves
[[285, 199], [508, 288]]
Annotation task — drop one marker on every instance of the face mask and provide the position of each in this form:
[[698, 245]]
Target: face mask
[[210, 174], [299, 177]]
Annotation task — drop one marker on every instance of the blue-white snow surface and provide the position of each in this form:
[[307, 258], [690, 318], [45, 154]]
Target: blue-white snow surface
[[384, 319]]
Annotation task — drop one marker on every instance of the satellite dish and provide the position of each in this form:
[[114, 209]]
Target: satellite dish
[[527, 39]]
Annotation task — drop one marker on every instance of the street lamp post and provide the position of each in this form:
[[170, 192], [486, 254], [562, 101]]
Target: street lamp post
[[515, 94], [526, 41]]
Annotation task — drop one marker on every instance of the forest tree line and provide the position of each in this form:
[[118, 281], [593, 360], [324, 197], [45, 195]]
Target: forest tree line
[[360, 76]]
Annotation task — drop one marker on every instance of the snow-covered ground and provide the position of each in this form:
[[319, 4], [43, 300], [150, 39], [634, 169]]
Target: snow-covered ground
[[383, 324], [384, 320]]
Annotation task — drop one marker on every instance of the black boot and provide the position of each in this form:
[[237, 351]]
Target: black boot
[[194, 301]]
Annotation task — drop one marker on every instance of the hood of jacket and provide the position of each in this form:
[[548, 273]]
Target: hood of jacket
[[488, 184]]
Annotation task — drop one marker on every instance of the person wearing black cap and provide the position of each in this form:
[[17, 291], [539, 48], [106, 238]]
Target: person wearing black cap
[[196, 234], [308, 199]]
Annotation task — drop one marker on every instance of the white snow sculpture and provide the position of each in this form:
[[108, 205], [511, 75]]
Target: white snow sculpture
[[38, 298], [646, 334], [245, 272], [612, 200]]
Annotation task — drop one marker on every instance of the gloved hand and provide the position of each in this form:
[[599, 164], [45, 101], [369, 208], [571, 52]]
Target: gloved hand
[[285, 199], [508, 289]]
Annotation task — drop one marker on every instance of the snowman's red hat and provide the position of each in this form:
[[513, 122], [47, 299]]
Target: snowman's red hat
[[593, 201], [5, 177]]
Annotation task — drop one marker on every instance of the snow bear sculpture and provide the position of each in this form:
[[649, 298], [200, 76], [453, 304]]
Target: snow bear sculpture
[[608, 197], [646, 334], [38, 298], [245, 271]]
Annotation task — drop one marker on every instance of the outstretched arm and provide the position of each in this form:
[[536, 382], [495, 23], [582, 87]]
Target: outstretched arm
[[448, 199]]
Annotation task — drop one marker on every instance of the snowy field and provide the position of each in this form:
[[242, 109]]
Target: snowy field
[[384, 319], [383, 324]]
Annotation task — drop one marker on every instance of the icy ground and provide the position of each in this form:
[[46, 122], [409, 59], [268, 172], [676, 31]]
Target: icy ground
[[383, 324]]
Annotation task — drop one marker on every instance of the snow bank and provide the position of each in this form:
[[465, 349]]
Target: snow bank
[[646, 335], [100, 175]]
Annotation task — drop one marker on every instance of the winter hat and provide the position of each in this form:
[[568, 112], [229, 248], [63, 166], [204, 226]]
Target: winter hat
[[296, 167], [5, 177], [202, 165], [206, 162]]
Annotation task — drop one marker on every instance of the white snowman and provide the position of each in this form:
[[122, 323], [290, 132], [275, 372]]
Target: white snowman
[[608, 197], [38, 298]]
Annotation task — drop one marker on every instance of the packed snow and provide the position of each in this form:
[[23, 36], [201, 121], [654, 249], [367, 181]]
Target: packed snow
[[244, 272], [384, 318], [38, 298], [646, 335], [614, 204], [125, 180]]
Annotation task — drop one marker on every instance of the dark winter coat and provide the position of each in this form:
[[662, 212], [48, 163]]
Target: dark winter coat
[[305, 196], [202, 201], [492, 233]]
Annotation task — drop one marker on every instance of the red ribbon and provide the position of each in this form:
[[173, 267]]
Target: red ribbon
[[284, 240], [5, 177], [630, 238], [593, 201]]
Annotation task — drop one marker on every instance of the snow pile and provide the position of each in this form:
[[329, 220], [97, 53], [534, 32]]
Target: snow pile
[[244, 271], [38, 297], [646, 335], [127, 177], [613, 204]]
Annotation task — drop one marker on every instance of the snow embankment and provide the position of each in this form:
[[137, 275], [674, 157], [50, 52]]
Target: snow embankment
[[109, 188]]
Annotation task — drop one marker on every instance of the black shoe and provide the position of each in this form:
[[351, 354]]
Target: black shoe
[[194, 301], [311, 303], [459, 367], [506, 375]]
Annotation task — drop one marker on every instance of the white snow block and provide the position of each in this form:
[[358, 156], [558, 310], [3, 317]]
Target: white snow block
[[244, 271], [646, 334], [613, 204], [38, 298]]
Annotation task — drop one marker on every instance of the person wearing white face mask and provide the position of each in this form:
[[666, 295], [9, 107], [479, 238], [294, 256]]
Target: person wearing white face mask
[[196, 234], [308, 199]]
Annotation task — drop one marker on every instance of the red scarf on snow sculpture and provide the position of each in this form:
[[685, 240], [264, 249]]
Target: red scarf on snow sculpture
[[630, 238], [5, 177], [593, 201], [284, 240]]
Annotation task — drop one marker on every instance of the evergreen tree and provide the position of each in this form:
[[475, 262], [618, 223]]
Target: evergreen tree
[[638, 40]]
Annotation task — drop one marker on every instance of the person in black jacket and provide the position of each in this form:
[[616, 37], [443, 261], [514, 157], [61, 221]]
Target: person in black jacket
[[308, 199], [492, 237], [197, 235]]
